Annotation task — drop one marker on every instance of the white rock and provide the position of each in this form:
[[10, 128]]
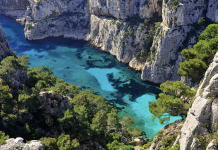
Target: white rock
[[34, 145], [19, 139], [211, 146], [214, 116]]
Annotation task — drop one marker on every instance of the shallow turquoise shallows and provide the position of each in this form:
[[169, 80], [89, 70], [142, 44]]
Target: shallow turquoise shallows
[[78, 63]]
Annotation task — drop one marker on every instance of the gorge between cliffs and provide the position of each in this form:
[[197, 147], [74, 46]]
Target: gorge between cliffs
[[123, 50], [78, 63]]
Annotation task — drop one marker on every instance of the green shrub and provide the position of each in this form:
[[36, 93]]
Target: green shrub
[[122, 44], [175, 147], [3, 138], [161, 68], [49, 143], [175, 3], [198, 58], [147, 145], [29, 25], [168, 141], [214, 136], [202, 21], [157, 25], [142, 55]]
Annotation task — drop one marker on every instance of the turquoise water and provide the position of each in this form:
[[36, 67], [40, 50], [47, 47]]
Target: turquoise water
[[79, 63]]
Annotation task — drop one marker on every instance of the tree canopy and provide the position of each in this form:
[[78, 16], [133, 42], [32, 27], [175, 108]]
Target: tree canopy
[[91, 118], [169, 103], [198, 58]]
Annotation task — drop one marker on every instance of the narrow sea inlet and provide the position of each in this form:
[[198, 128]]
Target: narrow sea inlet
[[78, 63]]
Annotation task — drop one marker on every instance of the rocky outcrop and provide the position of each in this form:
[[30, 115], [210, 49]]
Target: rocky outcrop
[[135, 64], [183, 13], [14, 4], [4, 46], [18, 144], [202, 117], [54, 104], [212, 10], [120, 38], [170, 132], [167, 45], [74, 19], [212, 145], [20, 76], [177, 32], [14, 8], [56, 18], [126, 9]]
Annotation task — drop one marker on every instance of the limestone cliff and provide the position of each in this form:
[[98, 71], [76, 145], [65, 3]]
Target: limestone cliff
[[126, 9], [20, 76], [178, 31], [212, 10], [14, 8], [202, 117], [120, 38], [200, 129], [4, 46], [95, 21], [122, 28], [53, 18], [167, 46]]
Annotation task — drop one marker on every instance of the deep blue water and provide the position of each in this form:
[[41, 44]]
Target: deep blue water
[[79, 63]]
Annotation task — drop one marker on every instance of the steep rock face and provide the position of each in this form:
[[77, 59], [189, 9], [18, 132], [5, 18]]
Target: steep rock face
[[18, 144], [202, 117], [113, 25], [72, 19], [167, 46], [14, 8], [20, 76], [184, 13], [212, 10], [121, 39], [13, 4], [53, 18], [126, 9], [4, 46], [176, 33], [54, 104]]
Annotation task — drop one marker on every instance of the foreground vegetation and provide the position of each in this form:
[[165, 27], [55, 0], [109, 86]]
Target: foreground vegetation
[[174, 99], [90, 120]]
